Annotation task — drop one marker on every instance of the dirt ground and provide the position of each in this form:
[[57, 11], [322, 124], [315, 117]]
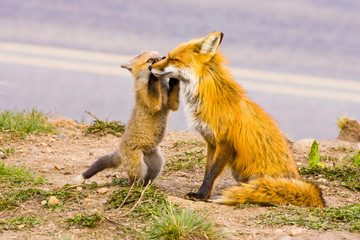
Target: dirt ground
[[61, 157]]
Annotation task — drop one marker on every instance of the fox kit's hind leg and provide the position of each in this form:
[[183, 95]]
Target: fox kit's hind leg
[[222, 156], [108, 161], [134, 164], [155, 162]]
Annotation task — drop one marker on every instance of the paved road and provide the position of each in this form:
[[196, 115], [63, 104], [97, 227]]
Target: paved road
[[263, 40]]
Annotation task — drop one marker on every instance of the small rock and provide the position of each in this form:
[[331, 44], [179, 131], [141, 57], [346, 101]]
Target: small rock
[[115, 174], [43, 203], [73, 159], [288, 139], [278, 231], [59, 167], [79, 189], [303, 146], [53, 201], [48, 150], [91, 153], [61, 135], [296, 231], [43, 170], [103, 190], [43, 144], [322, 180], [21, 226]]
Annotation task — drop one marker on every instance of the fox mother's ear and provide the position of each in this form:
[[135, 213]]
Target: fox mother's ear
[[211, 42], [128, 66]]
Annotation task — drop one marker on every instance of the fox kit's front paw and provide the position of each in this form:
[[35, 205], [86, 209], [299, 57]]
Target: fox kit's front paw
[[196, 196]]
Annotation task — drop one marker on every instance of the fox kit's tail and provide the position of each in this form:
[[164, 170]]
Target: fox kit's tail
[[108, 161], [273, 190]]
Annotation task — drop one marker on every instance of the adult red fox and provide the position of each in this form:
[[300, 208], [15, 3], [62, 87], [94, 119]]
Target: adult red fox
[[238, 132], [139, 149]]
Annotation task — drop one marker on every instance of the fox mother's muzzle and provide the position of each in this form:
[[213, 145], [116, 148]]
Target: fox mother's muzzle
[[155, 61]]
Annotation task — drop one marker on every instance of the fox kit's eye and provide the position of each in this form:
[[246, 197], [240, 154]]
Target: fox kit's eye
[[163, 57], [150, 60]]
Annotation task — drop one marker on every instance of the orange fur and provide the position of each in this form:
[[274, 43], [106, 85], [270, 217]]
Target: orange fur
[[240, 133]]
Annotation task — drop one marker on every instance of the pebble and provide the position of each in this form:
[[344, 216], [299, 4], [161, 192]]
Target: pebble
[[43, 170], [79, 189], [303, 146], [53, 201], [278, 231], [43, 203], [296, 231], [59, 167], [61, 135], [103, 190]]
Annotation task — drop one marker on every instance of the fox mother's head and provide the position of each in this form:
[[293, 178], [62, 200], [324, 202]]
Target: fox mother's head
[[188, 61]]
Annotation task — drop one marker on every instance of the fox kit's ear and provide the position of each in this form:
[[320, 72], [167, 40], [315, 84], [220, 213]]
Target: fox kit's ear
[[211, 42], [128, 66]]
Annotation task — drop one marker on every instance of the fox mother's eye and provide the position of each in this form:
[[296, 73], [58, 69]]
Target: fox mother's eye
[[150, 60]]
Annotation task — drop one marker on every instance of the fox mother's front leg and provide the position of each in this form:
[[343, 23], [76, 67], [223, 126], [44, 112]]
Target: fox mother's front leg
[[214, 167]]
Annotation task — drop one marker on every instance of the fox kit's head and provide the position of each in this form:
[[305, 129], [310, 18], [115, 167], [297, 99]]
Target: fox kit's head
[[140, 65], [186, 61]]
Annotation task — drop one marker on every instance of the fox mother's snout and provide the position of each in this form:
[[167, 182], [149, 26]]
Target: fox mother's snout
[[150, 67]]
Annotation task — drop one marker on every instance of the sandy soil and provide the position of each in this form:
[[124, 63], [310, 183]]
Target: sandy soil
[[63, 156]]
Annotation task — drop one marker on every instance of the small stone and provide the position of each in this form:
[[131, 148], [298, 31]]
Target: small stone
[[53, 201], [59, 167], [296, 231], [278, 231], [103, 190], [79, 189], [43, 144], [91, 153], [73, 159], [43, 170], [48, 150], [322, 180], [303, 146], [21, 226], [61, 135], [43, 203]]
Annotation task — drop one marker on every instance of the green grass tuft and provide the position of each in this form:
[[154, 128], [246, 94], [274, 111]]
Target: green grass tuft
[[19, 223], [85, 220], [17, 175], [7, 204], [346, 176], [21, 123], [176, 223], [105, 127], [188, 160], [153, 200], [331, 218], [341, 121]]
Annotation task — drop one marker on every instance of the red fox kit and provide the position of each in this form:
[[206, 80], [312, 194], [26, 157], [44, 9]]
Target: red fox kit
[[139, 146], [239, 134]]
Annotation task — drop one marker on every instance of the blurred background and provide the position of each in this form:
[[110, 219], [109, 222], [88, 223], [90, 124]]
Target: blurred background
[[298, 60]]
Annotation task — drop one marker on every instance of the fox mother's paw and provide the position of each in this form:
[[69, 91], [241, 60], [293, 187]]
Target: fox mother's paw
[[196, 196]]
